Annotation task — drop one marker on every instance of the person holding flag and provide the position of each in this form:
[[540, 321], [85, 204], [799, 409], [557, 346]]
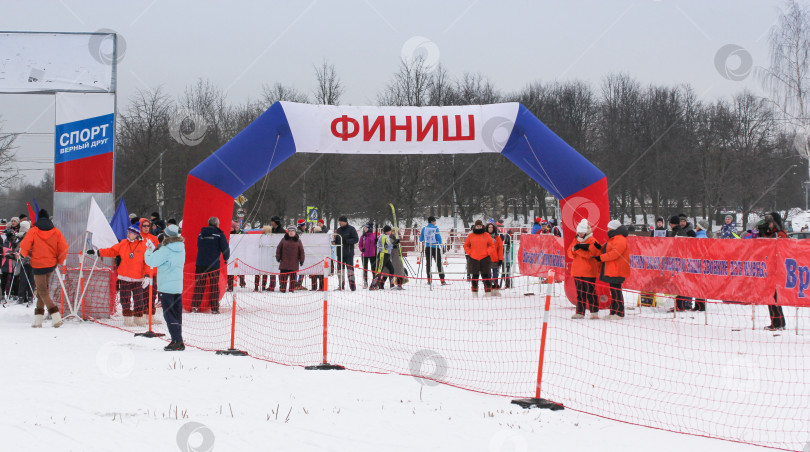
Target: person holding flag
[[133, 275], [47, 248]]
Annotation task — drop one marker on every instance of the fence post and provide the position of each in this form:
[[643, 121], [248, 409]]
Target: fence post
[[149, 332], [537, 401], [324, 365], [232, 351]]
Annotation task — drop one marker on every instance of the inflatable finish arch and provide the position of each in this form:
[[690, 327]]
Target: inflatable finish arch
[[286, 128]]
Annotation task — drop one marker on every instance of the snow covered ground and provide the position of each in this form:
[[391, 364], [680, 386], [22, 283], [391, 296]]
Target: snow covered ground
[[86, 387]]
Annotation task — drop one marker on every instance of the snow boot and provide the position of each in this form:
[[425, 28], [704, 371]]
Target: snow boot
[[140, 320], [56, 317], [578, 316], [594, 315], [175, 346], [37, 321], [129, 321]]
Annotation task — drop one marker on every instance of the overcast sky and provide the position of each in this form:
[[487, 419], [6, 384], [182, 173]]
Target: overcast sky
[[240, 45]]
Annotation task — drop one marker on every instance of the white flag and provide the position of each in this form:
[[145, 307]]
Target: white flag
[[103, 235]]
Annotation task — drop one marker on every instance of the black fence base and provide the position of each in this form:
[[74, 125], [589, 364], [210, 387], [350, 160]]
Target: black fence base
[[232, 352], [325, 366], [149, 334], [538, 403]]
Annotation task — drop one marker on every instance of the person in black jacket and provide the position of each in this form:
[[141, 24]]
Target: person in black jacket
[[679, 227], [659, 226], [211, 244], [346, 235]]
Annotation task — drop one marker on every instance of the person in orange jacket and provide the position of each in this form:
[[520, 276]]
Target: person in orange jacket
[[615, 259], [145, 229], [133, 275], [584, 270], [496, 257], [47, 248], [479, 247]]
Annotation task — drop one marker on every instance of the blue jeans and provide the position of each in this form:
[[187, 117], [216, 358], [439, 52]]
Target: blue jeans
[[173, 314]]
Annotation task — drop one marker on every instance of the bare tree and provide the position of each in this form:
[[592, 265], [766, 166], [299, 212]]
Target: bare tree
[[9, 174], [409, 86], [278, 92], [329, 87], [788, 77]]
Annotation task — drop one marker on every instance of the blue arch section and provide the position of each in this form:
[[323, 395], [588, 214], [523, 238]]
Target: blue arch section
[[547, 159], [250, 155]]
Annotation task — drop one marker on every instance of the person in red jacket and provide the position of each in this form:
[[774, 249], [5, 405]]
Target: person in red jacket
[[479, 247], [615, 259], [584, 270], [47, 248], [133, 275]]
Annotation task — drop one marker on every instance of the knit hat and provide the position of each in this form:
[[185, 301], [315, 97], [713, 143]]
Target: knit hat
[[369, 225], [156, 215], [614, 224], [583, 227], [290, 228], [729, 217], [17, 219], [661, 219], [275, 219], [500, 223], [343, 219], [431, 219], [321, 221], [674, 219], [172, 230], [386, 228], [538, 219], [479, 223], [490, 221], [703, 224], [134, 229], [43, 214], [132, 216], [300, 222]]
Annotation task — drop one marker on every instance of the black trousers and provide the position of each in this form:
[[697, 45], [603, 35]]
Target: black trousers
[[206, 280], [616, 300], [386, 269], [173, 314], [369, 265], [346, 267], [586, 295], [480, 269], [431, 254]]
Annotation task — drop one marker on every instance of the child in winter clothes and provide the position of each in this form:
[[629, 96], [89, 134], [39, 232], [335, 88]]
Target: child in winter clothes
[[133, 275], [584, 270], [385, 267], [729, 229]]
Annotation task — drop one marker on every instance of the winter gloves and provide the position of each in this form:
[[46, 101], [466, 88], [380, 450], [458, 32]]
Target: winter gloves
[[146, 282], [582, 246]]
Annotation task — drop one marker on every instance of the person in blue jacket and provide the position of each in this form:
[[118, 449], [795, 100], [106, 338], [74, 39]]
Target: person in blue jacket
[[169, 258], [432, 239]]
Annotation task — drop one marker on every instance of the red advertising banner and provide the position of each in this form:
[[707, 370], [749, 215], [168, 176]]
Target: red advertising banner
[[748, 271]]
